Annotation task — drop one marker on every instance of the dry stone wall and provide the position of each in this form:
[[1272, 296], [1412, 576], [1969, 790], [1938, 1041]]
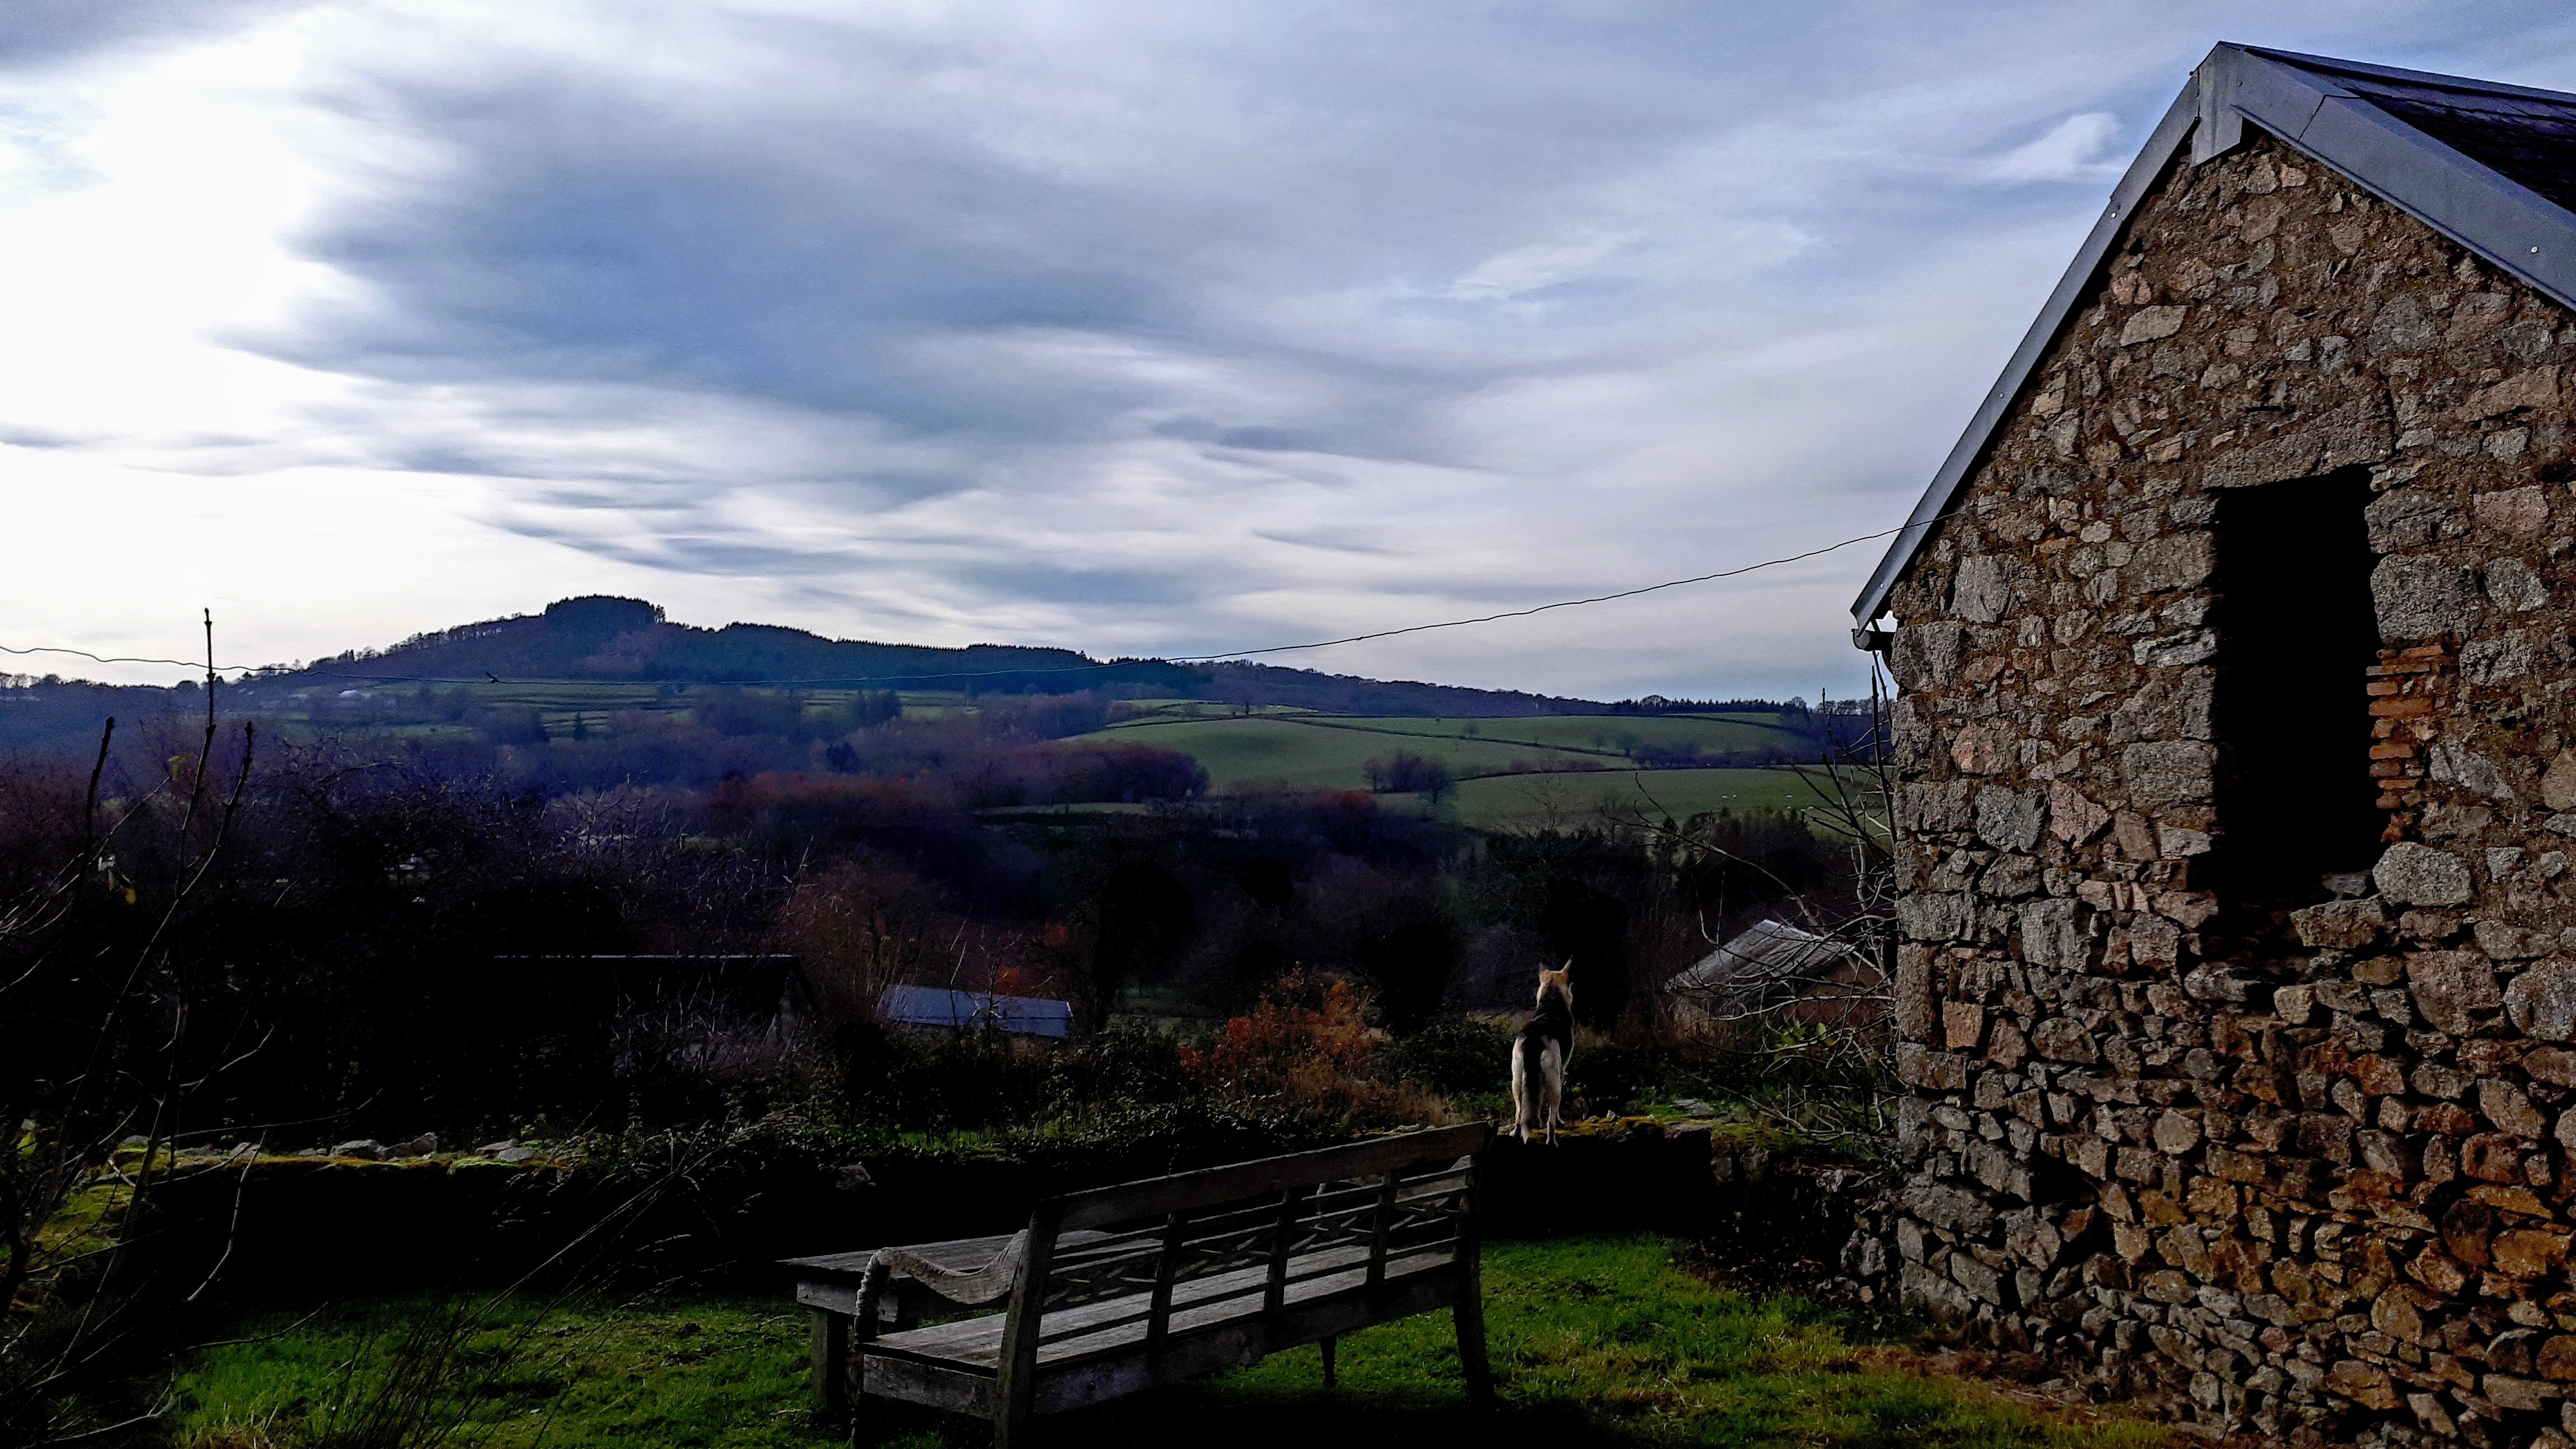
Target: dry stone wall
[[2313, 1181]]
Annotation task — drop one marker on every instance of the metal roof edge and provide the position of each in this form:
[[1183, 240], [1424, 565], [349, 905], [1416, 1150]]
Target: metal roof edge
[[2503, 221], [2163, 145], [2293, 97], [2335, 66]]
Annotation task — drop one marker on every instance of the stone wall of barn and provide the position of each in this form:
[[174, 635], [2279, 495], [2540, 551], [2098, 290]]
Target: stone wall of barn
[[2316, 1183]]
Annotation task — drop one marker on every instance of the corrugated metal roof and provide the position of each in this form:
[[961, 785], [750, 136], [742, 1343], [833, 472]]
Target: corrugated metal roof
[[939, 1006], [2527, 136], [2489, 165], [1767, 952]]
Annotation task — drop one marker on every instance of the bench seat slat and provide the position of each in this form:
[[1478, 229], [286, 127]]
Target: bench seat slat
[[974, 1344], [1134, 1308]]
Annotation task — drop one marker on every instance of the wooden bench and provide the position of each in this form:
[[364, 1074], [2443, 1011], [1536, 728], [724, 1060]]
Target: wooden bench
[[1118, 1289]]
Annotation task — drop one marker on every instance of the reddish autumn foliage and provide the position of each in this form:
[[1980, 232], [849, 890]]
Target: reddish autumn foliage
[[1310, 1049]]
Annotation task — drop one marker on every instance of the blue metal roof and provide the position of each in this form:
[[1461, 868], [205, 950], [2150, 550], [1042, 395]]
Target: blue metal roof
[[978, 1010]]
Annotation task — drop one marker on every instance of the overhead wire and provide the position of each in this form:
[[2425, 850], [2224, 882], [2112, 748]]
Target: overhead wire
[[1126, 663], [114, 659]]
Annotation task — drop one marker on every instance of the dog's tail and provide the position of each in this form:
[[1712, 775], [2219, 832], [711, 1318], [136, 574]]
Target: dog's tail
[[1524, 1088]]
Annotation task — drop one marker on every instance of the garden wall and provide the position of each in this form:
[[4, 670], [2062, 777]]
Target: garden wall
[[290, 1227]]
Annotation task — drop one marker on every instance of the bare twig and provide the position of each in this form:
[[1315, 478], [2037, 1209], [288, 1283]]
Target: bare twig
[[66, 1302], [1809, 1039]]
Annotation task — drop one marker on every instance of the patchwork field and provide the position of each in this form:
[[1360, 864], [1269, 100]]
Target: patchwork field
[[1504, 802], [1318, 753], [1615, 734], [1328, 751], [1512, 772]]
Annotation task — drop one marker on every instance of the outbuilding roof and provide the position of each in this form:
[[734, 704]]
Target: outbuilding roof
[[2491, 166], [976, 1010], [1769, 953]]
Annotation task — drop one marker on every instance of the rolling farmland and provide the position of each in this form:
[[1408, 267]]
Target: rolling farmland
[[1512, 772], [1327, 751], [1321, 754]]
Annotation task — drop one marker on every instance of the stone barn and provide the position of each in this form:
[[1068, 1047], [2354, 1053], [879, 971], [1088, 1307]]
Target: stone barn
[[2235, 644]]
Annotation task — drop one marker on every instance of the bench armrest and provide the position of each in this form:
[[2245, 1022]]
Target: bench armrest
[[987, 1284]]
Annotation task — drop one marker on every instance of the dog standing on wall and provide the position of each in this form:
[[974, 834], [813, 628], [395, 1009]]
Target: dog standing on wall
[[1540, 1052]]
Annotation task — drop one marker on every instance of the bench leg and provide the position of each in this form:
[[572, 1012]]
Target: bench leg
[[1469, 1317], [867, 1421], [1328, 1345], [827, 1339], [1010, 1426]]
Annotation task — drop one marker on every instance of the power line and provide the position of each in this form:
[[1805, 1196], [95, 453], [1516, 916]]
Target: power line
[[117, 659], [1543, 608], [1736, 572]]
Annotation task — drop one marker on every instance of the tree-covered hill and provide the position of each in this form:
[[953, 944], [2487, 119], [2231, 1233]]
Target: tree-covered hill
[[606, 638]]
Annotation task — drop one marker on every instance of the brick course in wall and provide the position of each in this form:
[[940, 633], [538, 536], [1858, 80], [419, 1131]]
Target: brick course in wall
[[2310, 1175]]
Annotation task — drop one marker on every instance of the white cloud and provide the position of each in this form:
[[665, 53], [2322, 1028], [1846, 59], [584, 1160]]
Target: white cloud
[[1135, 327], [1541, 264], [2082, 147]]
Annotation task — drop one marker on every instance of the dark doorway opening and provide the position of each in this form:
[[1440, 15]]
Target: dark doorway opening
[[2297, 637]]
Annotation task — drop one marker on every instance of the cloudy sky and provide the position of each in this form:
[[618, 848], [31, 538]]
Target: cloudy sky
[[1145, 328]]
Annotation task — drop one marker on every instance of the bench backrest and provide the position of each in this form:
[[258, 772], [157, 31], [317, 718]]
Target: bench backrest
[[1273, 1223]]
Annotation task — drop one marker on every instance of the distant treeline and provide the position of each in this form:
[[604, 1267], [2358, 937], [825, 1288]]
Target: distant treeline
[[1011, 750], [50, 713], [1657, 704]]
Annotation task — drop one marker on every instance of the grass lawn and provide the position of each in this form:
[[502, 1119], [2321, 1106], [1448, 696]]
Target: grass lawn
[[1595, 1341]]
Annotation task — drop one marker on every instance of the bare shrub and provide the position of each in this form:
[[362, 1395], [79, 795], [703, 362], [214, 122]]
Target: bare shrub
[[96, 1035], [1310, 1049], [859, 926], [1813, 1049]]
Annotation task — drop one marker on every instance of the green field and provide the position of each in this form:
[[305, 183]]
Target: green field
[[1594, 1341], [1328, 751], [1581, 761], [1504, 802], [1310, 751], [1292, 745], [1613, 734], [1565, 798]]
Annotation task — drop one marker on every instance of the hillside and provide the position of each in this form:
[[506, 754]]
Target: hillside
[[629, 640]]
